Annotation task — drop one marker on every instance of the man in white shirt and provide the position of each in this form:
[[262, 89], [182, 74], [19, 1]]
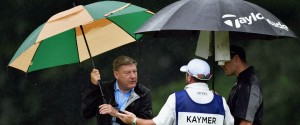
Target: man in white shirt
[[194, 105]]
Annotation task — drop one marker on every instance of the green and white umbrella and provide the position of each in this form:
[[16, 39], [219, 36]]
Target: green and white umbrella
[[80, 33]]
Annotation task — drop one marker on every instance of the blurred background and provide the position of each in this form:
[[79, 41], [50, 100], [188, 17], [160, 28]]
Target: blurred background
[[52, 96]]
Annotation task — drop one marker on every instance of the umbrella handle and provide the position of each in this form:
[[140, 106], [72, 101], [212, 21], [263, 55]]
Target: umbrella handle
[[102, 95]]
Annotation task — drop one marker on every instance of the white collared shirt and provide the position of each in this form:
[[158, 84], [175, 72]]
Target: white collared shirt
[[199, 93]]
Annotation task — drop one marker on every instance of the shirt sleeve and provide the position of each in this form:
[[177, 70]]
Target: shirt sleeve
[[248, 102], [167, 113], [229, 120]]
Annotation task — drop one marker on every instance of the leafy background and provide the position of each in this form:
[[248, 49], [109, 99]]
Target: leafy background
[[52, 96]]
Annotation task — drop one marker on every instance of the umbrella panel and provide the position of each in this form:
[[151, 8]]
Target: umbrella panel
[[55, 51], [102, 35], [131, 22]]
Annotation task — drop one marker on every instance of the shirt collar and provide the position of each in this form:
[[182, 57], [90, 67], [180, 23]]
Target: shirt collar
[[246, 73], [117, 88], [197, 85]]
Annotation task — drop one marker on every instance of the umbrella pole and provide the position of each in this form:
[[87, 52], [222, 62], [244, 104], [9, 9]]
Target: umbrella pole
[[213, 56], [91, 58]]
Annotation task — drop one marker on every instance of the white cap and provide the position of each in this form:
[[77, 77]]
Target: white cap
[[197, 68]]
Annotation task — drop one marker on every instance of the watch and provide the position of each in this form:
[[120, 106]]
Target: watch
[[134, 121]]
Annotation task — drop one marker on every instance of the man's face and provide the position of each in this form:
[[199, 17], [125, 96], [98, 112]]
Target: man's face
[[229, 67], [186, 78], [126, 77]]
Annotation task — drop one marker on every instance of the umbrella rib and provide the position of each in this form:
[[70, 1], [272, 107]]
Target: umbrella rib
[[77, 46], [174, 12], [34, 54], [116, 10], [252, 5], [121, 28], [238, 13], [220, 19]]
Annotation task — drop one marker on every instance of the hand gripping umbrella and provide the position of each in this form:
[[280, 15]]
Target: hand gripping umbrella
[[78, 34], [215, 18]]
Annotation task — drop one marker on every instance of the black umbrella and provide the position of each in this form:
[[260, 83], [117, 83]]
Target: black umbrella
[[243, 19], [216, 15]]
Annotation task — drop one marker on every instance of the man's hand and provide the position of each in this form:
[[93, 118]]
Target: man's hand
[[107, 109], [127, 118], [95, 76], [245, 122]]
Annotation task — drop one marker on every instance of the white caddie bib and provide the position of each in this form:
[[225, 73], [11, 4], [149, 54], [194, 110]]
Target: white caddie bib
[[191, 118]]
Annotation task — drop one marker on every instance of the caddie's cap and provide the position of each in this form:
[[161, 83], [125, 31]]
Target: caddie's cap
[[198, 69]]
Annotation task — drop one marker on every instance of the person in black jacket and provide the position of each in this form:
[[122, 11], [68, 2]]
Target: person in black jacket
[[123, 93], [246, 98]]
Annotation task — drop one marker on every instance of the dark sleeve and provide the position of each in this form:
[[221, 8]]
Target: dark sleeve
[[248, 102], [89, 101], [145, 110]]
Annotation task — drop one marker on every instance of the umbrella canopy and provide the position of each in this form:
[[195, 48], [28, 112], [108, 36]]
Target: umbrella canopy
[[214, 19], [216, 15], [80, 33]]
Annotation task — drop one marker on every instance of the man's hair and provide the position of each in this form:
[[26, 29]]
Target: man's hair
[[237, 50], [122, 60], [198, 80]]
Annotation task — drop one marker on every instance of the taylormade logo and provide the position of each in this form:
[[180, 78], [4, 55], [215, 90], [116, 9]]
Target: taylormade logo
[[238, 21]]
